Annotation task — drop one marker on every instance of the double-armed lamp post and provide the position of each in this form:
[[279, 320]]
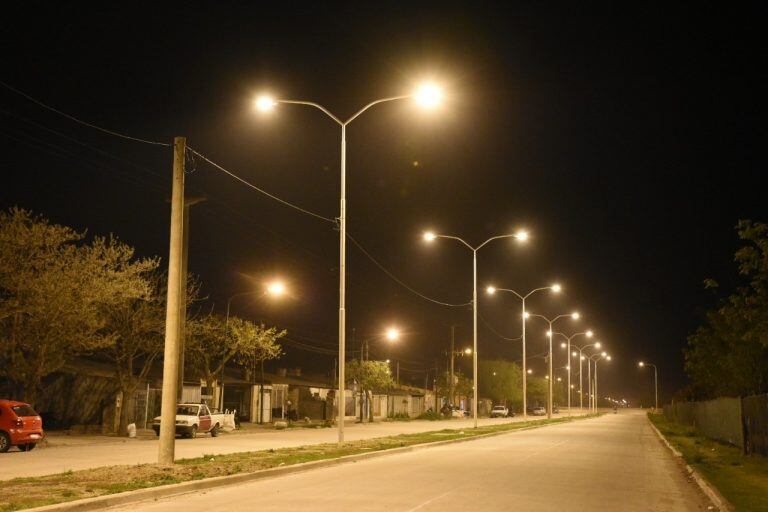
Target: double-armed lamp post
[[555, 288], [428, 96], [550, 335], [567, 345], [520, 236], [594, 358], [580, 353]]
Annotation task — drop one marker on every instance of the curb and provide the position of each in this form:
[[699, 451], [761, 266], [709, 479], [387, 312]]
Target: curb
[[163, 491], [708, 489]]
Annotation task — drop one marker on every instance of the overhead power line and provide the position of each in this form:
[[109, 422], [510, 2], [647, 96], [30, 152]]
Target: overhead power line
[[80, 121]]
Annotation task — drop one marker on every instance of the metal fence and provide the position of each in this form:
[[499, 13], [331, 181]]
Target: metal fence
[[742, 422]]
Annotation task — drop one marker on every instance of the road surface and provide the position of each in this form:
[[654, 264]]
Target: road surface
[[613, 463], [82, 452]]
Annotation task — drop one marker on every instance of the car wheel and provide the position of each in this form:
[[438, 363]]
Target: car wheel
[[27, 447], [215, 431], [193, 432], [5, 442]]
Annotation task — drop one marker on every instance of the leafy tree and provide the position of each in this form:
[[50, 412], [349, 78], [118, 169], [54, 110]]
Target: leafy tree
[[728, 355], [370, 376], [54, 287], [501, 381], [212, 342]]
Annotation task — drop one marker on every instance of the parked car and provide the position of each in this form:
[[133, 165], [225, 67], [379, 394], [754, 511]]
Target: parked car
[[555, 409], [499, 411], [20, 426], [537, 411], [194, 418]]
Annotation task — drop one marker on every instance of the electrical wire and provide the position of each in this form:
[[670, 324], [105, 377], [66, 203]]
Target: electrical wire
[[80, 121], [401, 283], [494, 331], [261, 190]]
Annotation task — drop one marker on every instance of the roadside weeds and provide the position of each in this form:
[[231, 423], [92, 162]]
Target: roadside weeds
[[741, 479], [23, 493]]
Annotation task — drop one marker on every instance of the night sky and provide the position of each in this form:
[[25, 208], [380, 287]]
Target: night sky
[[625, 141]]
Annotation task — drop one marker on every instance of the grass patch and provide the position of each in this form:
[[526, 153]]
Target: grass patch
[[741, 479], [27, 492]]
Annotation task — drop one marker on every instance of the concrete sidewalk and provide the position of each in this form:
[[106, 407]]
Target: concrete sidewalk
[[65, 453]]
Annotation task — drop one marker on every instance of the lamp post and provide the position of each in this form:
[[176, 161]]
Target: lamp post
[[641, 364], [430, 237], [567, 345], [550, 335], [275, 289], [428, 96], [556, 288], [595, 358], [581, 358]]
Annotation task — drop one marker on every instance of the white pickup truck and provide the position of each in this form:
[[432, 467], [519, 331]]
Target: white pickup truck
[[194, 418]]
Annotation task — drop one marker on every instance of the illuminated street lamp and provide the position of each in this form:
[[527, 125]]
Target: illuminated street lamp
[[274, 289], [641, 364], [555, 288], [582, 357], [567, 345], [595, 358], [520, 236], [551, 322], [428, 96]]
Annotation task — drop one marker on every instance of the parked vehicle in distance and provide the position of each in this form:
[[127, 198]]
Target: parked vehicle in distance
[[193, 418], [499, 411], [20, 426], [555, 409], [537, 411]]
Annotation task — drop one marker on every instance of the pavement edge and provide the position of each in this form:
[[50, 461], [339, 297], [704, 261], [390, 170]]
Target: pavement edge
[[164, 491], [709, 490]]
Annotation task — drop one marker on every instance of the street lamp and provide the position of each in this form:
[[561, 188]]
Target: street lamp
[[567, 345], [551, 322], [582, 357], [428, 96], [555, 288], [595, 358], [274, 289], [431, 237], [641, 364]]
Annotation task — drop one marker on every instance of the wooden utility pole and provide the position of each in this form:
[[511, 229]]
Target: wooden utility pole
[[173, 309]]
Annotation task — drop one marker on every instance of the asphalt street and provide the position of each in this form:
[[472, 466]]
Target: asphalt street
[[612, 463], [66, 453]]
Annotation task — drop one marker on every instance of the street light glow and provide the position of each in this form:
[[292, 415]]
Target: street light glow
[[556, 288], [589, 334], [549, 334], [429, 236], [604, 354], [563, 345], [522, 235], [526, 315], [265, 103], [428, 95], [574, 353], [597, 345], [276, 288], [641, 364], [490, 290], [608, 358], [575, 315], [530, 371], [393, 334], [468, 351]]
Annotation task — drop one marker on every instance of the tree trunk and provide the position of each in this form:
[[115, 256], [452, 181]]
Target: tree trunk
[[126, 412]]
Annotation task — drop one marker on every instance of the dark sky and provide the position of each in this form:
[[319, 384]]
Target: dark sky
[[625, 140]]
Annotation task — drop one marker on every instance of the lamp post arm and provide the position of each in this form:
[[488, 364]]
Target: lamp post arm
[[492, 239], [512, 292], [451, 237], [315, 105], [376, 102], [536, 290]]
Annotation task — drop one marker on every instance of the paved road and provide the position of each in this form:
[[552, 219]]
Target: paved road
[[82, 452], [613, 463]]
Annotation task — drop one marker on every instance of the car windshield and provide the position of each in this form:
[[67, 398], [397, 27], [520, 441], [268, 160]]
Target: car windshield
[[499, 407], [187, 410], [23, 410]]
